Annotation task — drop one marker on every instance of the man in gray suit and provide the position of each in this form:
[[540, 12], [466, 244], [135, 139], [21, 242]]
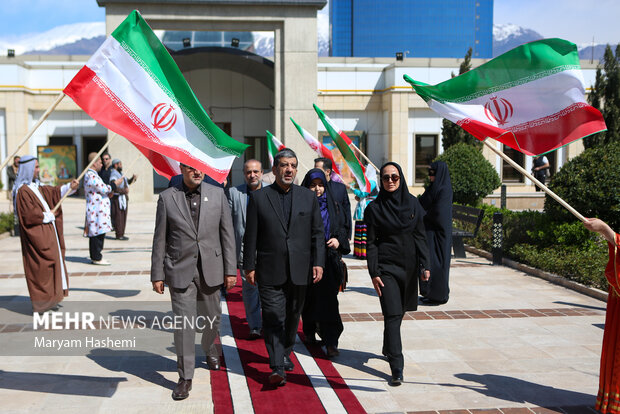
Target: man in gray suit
[[194, 253], [238, 199]]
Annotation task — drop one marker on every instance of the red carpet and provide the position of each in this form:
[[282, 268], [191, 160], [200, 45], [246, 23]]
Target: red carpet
[[297, 396]]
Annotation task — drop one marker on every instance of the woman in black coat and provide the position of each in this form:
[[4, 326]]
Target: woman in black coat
[[397, 256], [437, 201], [321, 311]]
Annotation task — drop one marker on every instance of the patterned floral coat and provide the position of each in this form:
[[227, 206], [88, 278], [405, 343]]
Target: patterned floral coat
[[97, 204]]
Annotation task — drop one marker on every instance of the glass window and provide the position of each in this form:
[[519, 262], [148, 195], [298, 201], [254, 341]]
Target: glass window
[[257, 150], [509, 174], [426, 150]]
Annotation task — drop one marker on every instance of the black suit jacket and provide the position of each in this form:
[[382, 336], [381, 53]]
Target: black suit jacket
[[339, 192], [274, 250]]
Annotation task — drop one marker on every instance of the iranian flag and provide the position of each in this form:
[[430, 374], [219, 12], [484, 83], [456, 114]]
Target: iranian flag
[[273, 146], [342, 141], [319, 148], [531, 98], [133, 87]]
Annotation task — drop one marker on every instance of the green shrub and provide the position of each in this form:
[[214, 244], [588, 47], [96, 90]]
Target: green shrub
[[590, 183], [533, 238], [6, 222], [574, 263], [473, 177]]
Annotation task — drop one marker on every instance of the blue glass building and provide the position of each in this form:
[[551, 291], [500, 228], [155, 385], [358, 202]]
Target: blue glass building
[[423, 28]]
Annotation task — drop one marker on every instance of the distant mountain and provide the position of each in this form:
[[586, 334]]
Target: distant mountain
[[80, 47], [85, 38], [508, 36], [58, 36]]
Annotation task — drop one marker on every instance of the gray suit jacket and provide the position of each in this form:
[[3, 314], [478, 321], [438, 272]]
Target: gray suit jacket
[[238, 201], [177, 243]]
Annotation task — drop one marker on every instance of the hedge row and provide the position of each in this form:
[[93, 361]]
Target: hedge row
[[566, 249], [6, 222]]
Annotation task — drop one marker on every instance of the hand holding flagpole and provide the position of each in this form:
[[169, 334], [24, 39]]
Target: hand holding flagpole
[[85, 169]]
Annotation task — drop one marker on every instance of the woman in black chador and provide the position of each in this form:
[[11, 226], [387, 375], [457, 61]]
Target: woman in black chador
[[397, 256], [437, 201], [321, 311]]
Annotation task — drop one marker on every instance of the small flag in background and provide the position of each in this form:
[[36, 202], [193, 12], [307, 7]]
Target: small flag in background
[[273, 146], [531, 98], [342, 141], [132, 86], [316, 146]]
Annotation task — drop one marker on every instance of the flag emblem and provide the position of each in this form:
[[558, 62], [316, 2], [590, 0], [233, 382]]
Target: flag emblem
[[163, 117], [498, 109]]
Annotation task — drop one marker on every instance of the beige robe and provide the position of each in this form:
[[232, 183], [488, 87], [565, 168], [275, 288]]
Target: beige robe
[[42, 247]]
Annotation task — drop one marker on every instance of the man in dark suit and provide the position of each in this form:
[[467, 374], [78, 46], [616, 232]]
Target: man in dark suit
[[194, 253], [338, 190], [283, 251]]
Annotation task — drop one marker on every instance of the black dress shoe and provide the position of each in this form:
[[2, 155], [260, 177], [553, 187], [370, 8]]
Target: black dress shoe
[[397, 377], [277, 377], [311, 340], [288, 364], [431, 302], [213, 362], [332, 352], [181, 391]]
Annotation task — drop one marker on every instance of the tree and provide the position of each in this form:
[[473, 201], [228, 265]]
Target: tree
[[451, 132], [605, 97], [472, 176], [589, 183]]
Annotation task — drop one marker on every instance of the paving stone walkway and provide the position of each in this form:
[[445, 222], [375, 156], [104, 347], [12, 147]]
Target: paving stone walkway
[[505, 343]]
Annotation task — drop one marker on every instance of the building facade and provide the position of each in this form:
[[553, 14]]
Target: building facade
[[366, 97], [416, 28]]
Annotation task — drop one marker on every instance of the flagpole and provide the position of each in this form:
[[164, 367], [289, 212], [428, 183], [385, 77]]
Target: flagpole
[[132, 163], [32, 131], [90, 164], [535, 181], [364, 156]]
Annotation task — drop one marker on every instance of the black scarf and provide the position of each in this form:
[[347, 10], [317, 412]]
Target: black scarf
[[437, 198], [396, 212]]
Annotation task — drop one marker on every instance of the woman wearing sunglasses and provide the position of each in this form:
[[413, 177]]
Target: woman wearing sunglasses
[[397, 256], [321, 305]]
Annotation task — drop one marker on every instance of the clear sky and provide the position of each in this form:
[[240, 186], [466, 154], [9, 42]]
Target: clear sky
[[574, 20], [21, 17]]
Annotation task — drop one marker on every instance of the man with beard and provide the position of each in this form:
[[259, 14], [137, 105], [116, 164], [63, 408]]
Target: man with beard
[[238, 200], [283, 252], [41, 235], [118, 203]]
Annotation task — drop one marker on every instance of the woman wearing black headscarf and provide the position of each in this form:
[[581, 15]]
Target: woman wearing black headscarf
[[397, 256], [321, 305], [437, 201]]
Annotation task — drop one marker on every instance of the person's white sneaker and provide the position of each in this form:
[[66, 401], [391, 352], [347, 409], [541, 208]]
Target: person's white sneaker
[[101, 262]]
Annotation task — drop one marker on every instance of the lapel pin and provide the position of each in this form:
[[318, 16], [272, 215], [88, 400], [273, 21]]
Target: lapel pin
[[206, 199]]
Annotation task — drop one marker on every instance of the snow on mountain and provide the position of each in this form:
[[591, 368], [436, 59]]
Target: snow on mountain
[[60, 35], [508, 36]]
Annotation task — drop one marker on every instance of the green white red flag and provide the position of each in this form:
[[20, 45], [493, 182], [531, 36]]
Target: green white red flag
[[343, 143], [273, 146], [133, 87], [531, 98], [316, 146]]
